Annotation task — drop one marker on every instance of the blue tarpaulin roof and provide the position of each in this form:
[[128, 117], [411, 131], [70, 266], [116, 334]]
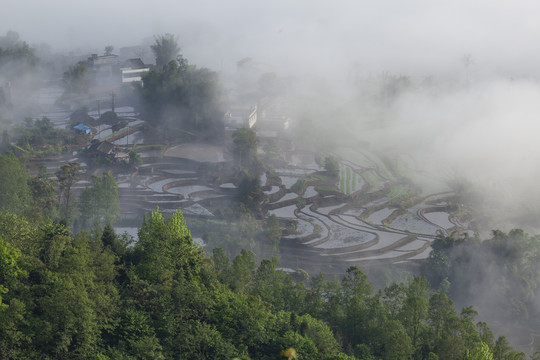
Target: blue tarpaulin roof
[[82, 127]]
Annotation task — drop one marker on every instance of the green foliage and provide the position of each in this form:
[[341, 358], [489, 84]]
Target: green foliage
[[320, 334], [273, 230], [481, 352], [503, 351], [509, 259], [16, 60], [242, 271], [76, 79], [348, 180], [136, 335], [10, 268], [80, 116], [134, 158], [304, 348], [99, 203], [165, 49], [182, 101], [67, 176], [15, 193], [65, 303], [108, 50], [221, 263], [93, 297], [166, 249], [43, 189], [250, 193], [331, 166], [316, 179], [108, 117], [245, 145], [19, 232], [40, 139]]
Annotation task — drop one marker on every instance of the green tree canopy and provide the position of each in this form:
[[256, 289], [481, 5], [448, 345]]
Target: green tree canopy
[[15, 192], [108, 50], [165, 49], [43, 189], [67, 176], [99, 203], [75, 79], [16, 59], [85, 296], [331, 166], [245, 145], [10, 268], [182, 101]]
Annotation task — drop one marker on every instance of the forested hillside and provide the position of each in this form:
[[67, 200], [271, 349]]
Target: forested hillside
[[99, 296]]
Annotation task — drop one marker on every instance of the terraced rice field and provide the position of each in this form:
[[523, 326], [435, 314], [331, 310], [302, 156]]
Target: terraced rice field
[[336, 229], [378, 216], [413, 223], [330, 227], [349, 180], [310, 192], [439, 218]]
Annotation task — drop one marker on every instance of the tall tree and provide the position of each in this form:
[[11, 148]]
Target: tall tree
[[242, 270], [415, 308], [182, 100], [76, 299], [481, 352], [98, 203], [356, 301], [166, 249], [108, 50], [331, 166], [249, 194], [15, 194], [165, 49], [67, 176], [76, 79], [245, 144], [273, 230], [43, 189], [16, 60], [10, 268], [442, 316]]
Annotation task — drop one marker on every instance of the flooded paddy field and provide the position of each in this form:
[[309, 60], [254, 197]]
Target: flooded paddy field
[[331, 234], [378, 216], [330, 229], [440, 219]]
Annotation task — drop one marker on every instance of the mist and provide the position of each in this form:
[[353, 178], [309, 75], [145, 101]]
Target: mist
[[469, 111], [418, 36], [486, 133]]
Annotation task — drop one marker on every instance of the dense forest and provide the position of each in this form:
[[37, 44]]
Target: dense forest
[[99, 296], [499, 275]]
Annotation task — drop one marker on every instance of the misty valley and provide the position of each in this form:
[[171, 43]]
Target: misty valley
[[153, 208]]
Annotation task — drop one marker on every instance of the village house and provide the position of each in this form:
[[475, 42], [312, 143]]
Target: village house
[[110, 70], [132, 71], [106, 150], [237, 117]]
